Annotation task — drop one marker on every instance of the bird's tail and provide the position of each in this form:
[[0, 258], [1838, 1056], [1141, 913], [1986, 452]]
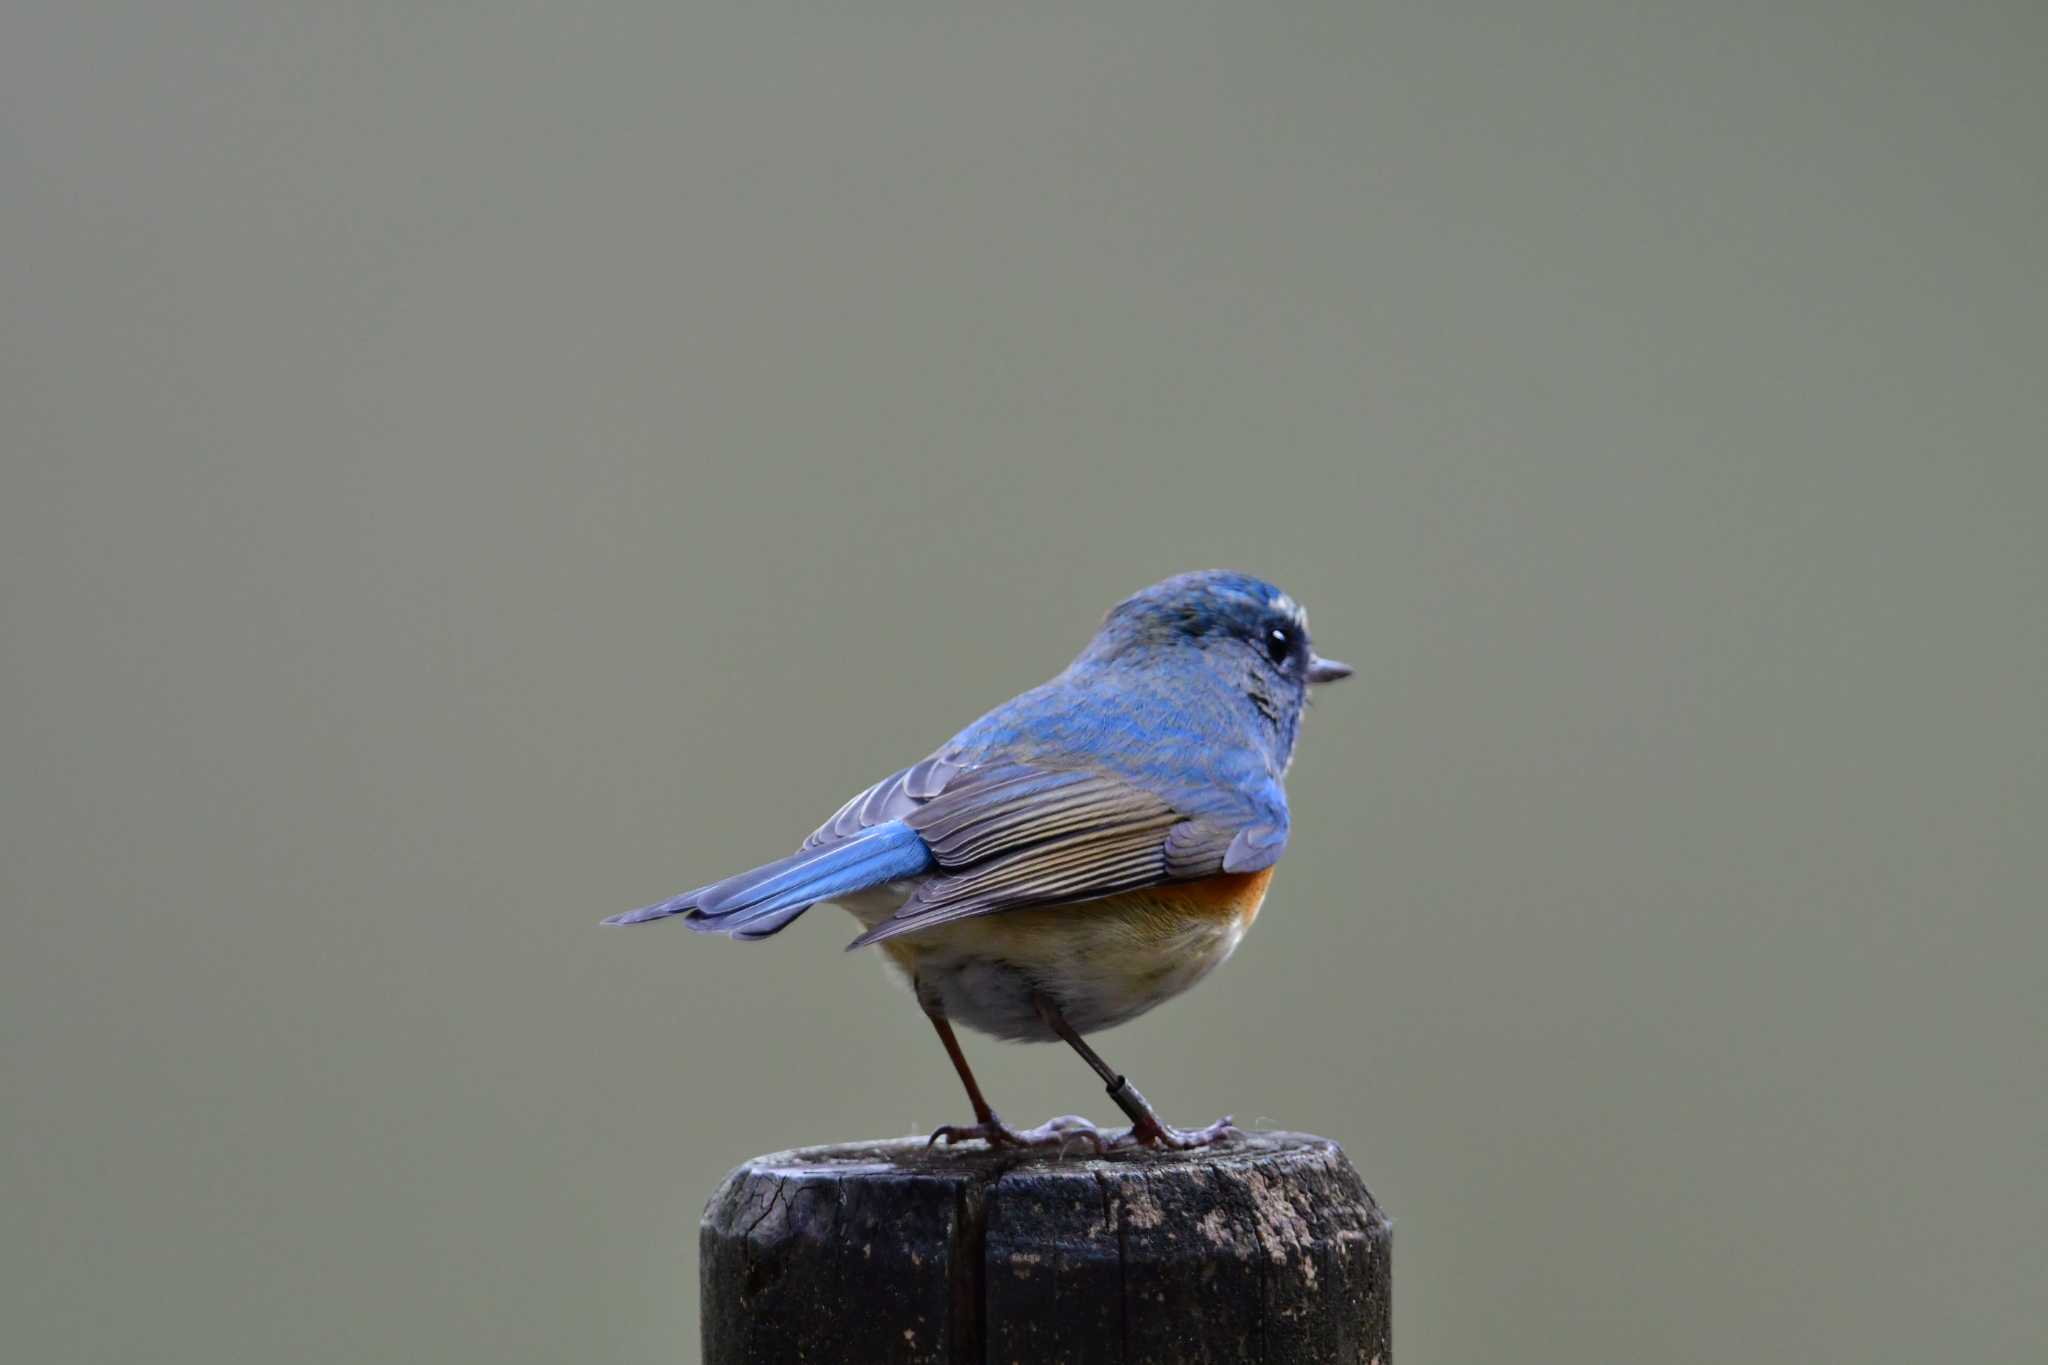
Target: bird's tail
[[756, 904]]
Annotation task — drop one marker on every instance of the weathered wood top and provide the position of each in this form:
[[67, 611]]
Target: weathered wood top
[[914, 1155], [1265, 1248]]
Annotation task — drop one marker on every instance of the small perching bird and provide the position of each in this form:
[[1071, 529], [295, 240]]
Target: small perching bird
[[1081, 853]]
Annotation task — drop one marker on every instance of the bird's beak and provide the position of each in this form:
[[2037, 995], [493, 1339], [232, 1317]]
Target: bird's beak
[[1321, 670]]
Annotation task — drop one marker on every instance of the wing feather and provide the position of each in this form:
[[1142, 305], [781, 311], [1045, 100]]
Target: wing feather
[[974, 831], [1081, 867], [1196, 848], [894, 797]]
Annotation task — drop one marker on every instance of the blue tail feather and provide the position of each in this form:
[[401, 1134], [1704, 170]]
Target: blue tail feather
[[757, 903]]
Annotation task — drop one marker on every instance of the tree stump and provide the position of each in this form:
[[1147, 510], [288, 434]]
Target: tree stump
[[1266, 1248]]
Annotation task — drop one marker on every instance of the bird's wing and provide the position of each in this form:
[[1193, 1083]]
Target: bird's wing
[[1011, 834], [996, 835]]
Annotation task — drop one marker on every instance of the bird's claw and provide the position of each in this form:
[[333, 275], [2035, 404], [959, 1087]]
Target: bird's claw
[[1153, 1133], [1052, 1133], [1068, 1128]]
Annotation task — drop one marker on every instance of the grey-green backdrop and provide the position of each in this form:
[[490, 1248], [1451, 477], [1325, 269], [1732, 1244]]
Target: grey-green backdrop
[[471, 468]]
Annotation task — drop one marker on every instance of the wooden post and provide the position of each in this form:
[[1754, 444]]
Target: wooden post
[[1267, 1248]]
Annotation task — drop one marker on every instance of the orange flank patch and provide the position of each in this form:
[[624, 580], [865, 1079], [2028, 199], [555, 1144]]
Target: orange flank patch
[[1231, 895]]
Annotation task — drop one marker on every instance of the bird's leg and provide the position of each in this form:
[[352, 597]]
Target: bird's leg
[[991, 1129], [1146, 1128], [982, 1113]]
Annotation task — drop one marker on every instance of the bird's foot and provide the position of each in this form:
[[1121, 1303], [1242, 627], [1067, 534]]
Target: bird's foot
[[1059, 1132], [1150, 1132]]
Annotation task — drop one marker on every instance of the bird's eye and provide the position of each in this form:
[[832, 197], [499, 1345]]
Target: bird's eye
[[1279, 644]]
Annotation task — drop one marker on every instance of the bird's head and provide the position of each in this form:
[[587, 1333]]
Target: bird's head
[[1240, 627]]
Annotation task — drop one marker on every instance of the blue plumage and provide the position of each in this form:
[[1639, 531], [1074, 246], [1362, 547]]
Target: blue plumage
[[756, 903]]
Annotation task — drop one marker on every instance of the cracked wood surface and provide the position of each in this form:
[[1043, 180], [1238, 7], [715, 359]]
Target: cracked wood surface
[[1266, 1248]]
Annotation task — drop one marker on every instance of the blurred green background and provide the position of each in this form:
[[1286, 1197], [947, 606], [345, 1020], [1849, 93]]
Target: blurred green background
[[469, 469]]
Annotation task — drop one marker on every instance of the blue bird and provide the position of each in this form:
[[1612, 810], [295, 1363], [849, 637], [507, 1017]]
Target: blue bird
[[1085, 851]]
